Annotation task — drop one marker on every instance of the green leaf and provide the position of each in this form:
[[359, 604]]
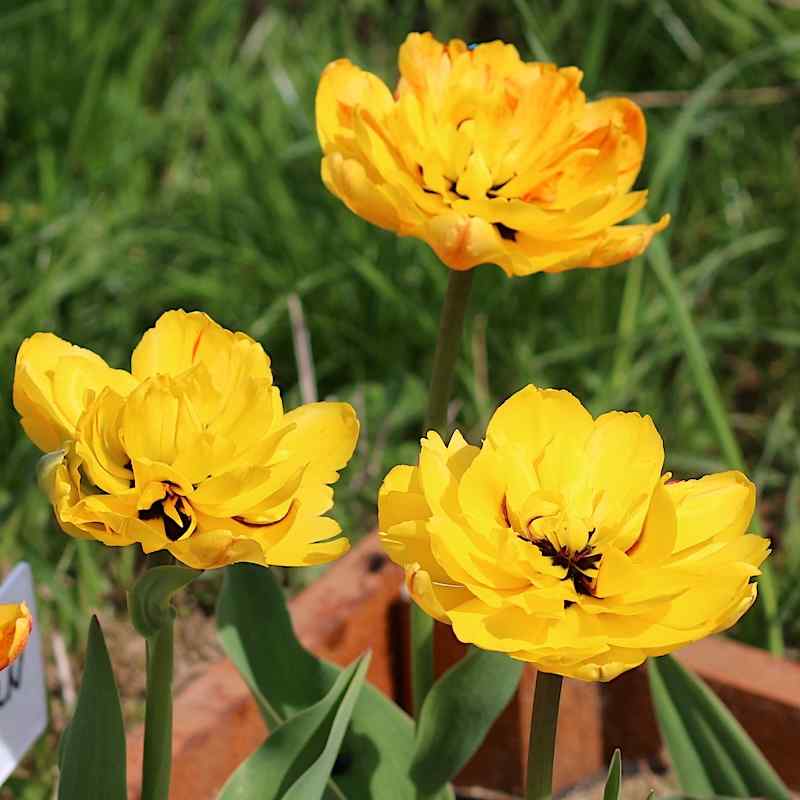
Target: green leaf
[[149, 600], [311, 784], [458, 712], [92, 752], [256, 632], [296, 760], [614, 781], [710, 751]]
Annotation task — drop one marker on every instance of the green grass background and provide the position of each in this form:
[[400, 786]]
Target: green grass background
[[161, 153]]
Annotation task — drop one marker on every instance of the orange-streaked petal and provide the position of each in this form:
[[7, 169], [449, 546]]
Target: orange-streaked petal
[[16, 624]]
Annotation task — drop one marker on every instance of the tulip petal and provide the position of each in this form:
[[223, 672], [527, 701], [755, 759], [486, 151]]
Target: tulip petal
[[16, 624], [180, 340], [322, 436], [625, 116], [718, 507], [435, 598], [54, 382], [627, 446], [551, 427]]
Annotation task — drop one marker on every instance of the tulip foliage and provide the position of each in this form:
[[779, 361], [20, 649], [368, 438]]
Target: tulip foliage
[[556, 541]]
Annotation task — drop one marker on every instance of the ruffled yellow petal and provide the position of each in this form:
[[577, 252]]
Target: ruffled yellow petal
[[622, 115], [656, 541], [348, 179], [551, 427], [401, 499], [718, 507], [322, 437], [628, 447], [180, 340], [435, 598], [213, 549], [463, 242], [602, 667], [621, 243], [307, 541], [342, 89], [54, 382]]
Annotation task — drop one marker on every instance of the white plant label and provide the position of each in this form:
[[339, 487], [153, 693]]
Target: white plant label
[[23, 702]]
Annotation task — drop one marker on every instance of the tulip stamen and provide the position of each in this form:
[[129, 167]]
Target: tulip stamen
[[577, 564], [174, 512]]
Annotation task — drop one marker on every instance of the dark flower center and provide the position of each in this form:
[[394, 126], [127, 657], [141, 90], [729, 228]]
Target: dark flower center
[[174, 511], [577, 564]]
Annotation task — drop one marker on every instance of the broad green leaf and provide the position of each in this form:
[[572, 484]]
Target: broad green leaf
[[92, 753], [296, 760], [311, 784], [458, 712], [149, 600], [613, 786], [710, 752], [256, 632]]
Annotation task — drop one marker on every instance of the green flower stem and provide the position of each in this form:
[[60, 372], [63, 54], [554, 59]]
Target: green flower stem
[[153, 616], [157, 762], [422, 674], [451, 325], [542, 744]]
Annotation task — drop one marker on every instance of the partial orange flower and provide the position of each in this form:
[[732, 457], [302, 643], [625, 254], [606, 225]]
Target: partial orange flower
[[487, 158], [16, 624]]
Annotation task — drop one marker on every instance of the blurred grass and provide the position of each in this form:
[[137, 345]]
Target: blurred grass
[[161, 153]]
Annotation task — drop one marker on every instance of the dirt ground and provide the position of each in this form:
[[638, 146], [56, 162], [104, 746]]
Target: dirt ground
[[638, 781]]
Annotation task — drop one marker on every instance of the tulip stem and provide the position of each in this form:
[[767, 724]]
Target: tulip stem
[[448, 343], [157, 762], [157, 757], [422, 674], [451, 325], [542, 743]]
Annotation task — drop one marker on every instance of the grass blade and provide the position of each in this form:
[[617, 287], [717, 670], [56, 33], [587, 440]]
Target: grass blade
[[710, 751]]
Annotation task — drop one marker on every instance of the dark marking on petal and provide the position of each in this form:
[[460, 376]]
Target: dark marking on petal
[[154, 512], [174, 531], [455, 191], [504, 512], [509, 234], [249, 524]]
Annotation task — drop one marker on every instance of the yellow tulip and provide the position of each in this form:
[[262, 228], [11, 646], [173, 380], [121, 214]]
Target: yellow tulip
[[487, 158], [190, 451], [15, 628], [559, 541]]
